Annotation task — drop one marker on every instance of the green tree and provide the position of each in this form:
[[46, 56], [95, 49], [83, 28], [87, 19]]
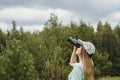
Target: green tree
[[107, 41], [101, 63], [3, 38], [4, 66], [20, 61]]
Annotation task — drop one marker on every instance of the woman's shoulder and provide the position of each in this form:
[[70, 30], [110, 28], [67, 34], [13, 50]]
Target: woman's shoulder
[[79, 64], [77, 73]]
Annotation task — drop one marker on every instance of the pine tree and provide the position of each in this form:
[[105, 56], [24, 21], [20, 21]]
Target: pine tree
[[20, 61]]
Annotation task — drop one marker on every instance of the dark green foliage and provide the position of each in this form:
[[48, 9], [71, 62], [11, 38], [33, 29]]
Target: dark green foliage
[[45, 55], [17, 62], [102, 64]]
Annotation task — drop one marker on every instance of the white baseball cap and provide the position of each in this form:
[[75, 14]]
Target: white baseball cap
[[89, 47]]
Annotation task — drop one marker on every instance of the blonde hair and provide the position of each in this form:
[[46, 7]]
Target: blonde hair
[[88, 64]]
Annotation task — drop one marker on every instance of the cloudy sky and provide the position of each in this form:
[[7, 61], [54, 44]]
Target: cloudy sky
[[32, 14]]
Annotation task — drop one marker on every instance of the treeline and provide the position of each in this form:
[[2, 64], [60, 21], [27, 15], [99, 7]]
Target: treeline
[[45, 55]]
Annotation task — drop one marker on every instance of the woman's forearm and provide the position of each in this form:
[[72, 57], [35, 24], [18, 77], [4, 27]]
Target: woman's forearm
[[73, 57]]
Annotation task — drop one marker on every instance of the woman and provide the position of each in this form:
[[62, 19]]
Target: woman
[[82, 70]]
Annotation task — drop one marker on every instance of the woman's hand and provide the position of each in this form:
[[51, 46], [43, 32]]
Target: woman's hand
[[75, 48]]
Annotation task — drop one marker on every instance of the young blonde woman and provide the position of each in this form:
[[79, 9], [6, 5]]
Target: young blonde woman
[[82, 70]]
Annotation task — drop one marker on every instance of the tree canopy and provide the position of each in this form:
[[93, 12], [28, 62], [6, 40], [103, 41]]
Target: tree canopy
[[45, 55]]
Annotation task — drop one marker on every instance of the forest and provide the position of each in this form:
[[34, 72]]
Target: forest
[[45, 55]]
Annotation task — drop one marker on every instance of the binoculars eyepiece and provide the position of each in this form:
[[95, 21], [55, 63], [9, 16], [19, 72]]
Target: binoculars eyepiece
[[74, 42]]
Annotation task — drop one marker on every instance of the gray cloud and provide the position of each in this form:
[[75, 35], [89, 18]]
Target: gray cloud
[[94, 8], [88, 10]]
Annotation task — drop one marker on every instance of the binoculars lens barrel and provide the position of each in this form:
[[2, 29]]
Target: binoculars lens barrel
[[74, 42]]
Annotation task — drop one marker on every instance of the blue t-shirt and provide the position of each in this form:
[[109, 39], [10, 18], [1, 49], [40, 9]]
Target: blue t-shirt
[[77, 73]]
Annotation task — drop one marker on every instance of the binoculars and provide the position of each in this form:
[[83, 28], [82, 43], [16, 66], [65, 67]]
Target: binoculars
[[74, 42]]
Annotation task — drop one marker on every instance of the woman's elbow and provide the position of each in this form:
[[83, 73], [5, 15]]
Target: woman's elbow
[[72, 64]]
